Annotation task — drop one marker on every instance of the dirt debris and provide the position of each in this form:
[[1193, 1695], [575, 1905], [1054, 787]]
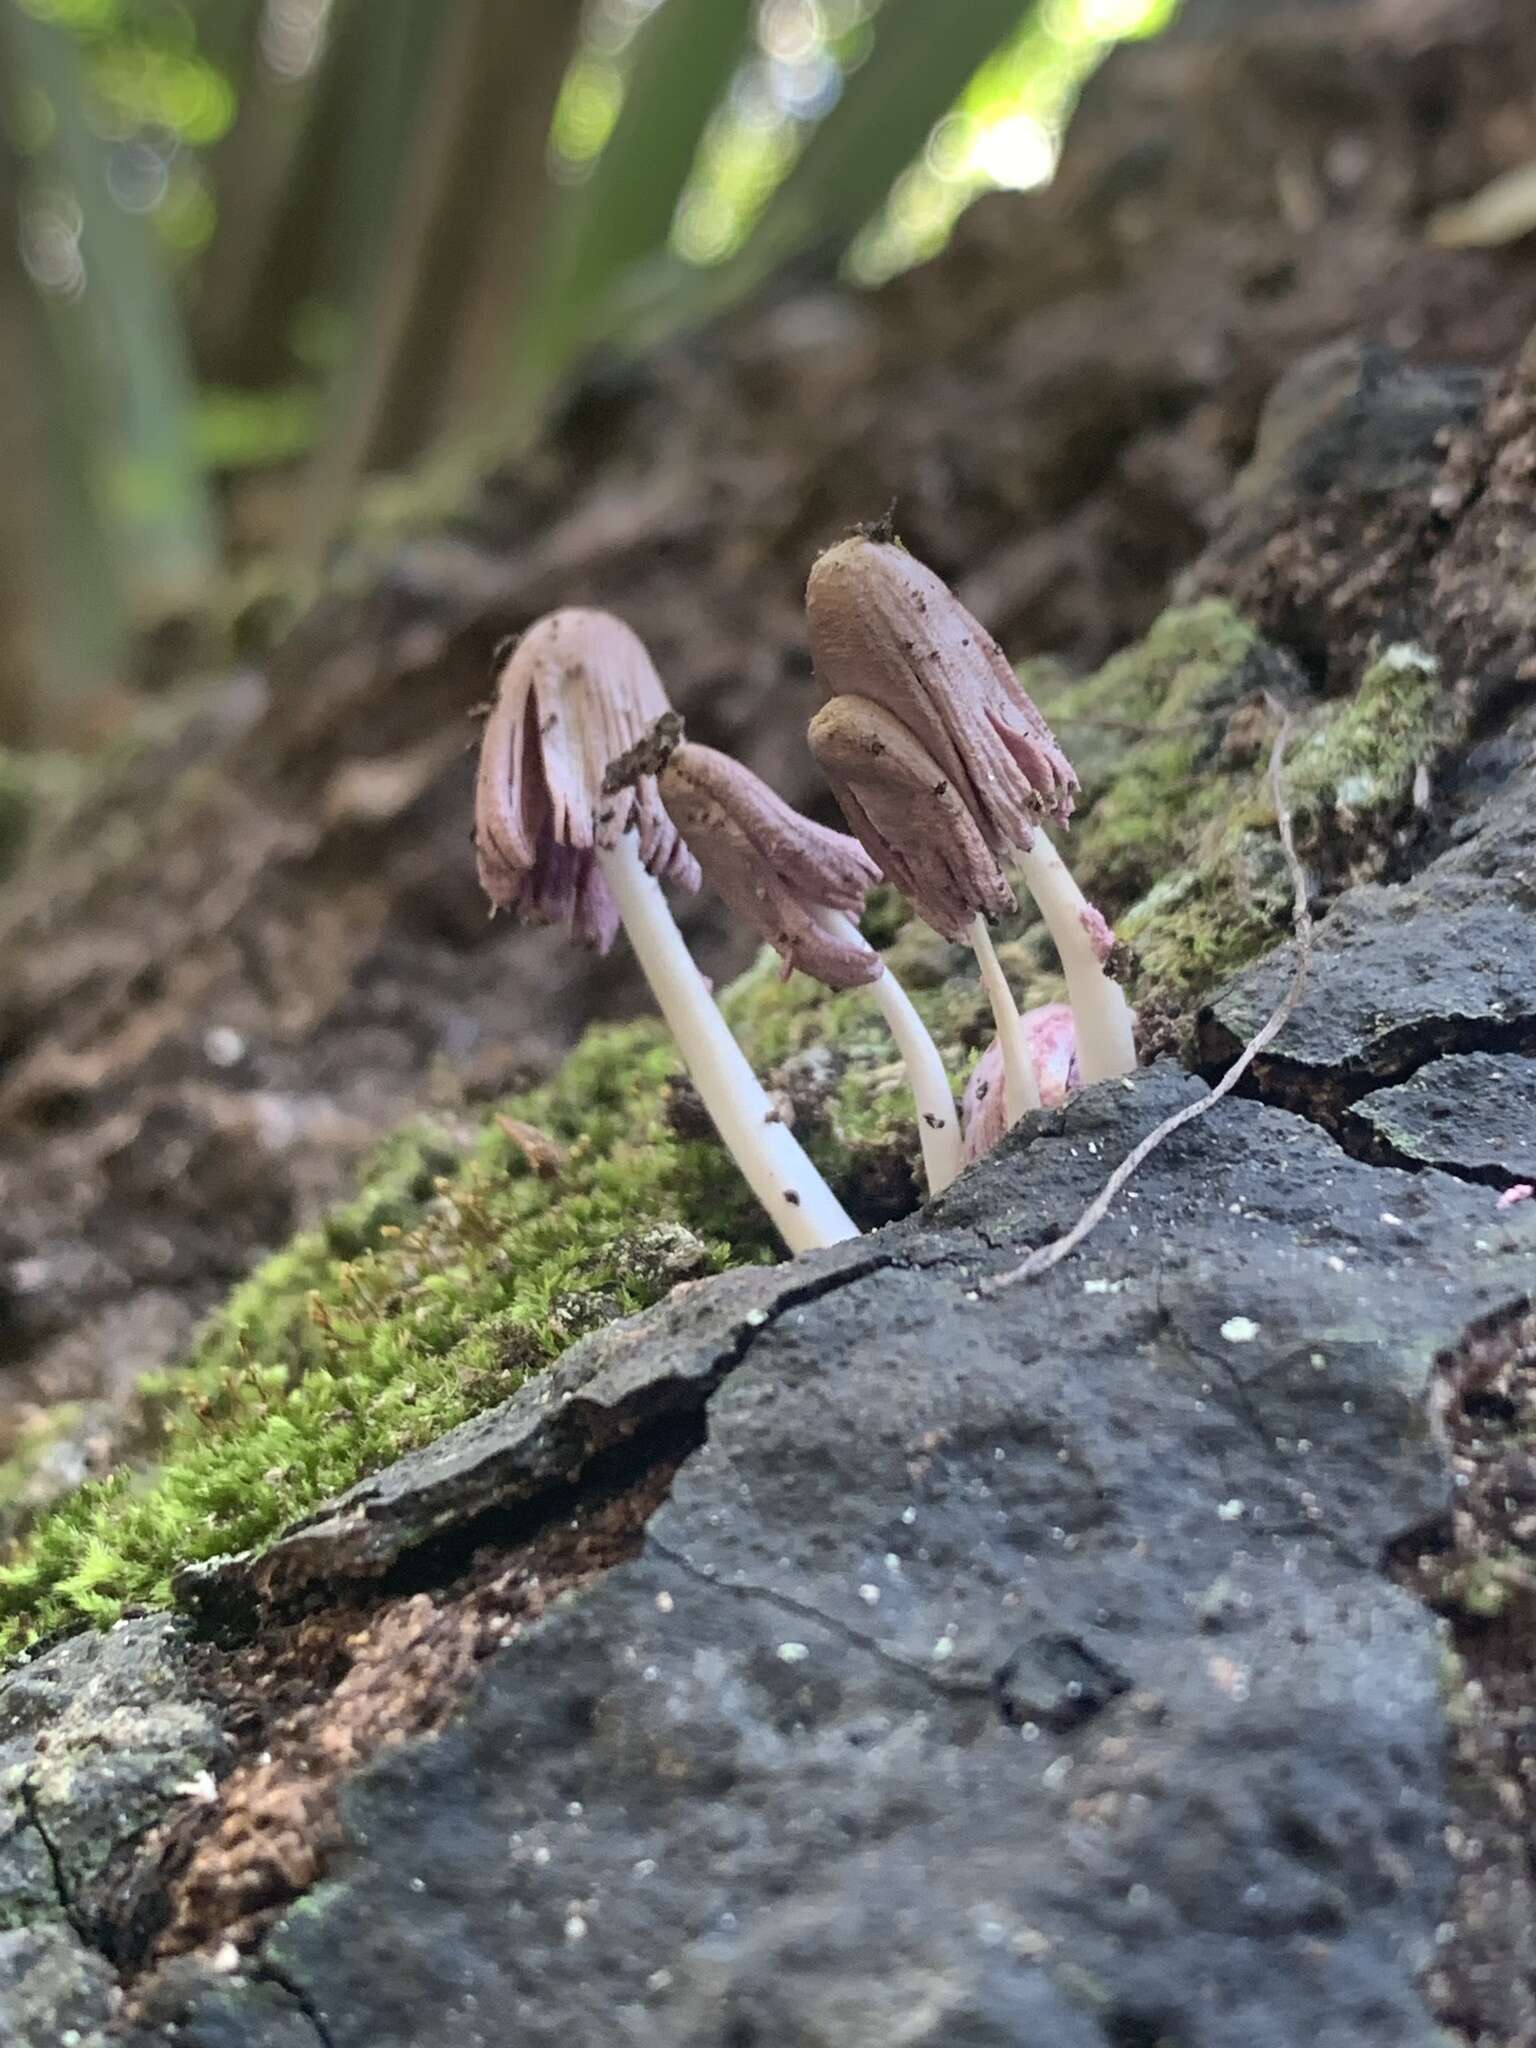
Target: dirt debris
[[314, 1699]]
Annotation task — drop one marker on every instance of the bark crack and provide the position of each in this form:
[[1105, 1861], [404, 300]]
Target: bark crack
[[1327, 1095], [61, 1888], [304, 2004]]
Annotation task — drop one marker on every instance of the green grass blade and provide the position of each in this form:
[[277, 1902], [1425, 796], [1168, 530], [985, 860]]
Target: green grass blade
[[124, 337], [683, 61], [923, 57]]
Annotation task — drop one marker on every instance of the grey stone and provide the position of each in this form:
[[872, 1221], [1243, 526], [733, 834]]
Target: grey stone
[[99, 1738], [1442, 963], [1473, 1113], [52, 1990], [222, 2009], [811, 1770]]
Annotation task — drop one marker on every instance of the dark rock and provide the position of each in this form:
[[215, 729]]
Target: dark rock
[[1054, 1681], [99, 1739], [772, 1782], [53, 1990], [1441, 963], [1349, 417], [221, 2009], [1474, 1113]]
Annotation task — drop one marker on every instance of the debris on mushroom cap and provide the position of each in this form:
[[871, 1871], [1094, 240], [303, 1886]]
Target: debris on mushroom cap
[[909, 814], [1053, 1052], [883, 626], [771, 865], [577, 691]]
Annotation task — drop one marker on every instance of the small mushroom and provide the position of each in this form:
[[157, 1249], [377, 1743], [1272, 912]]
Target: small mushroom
[[911, 818], [576, 691], [558, 842], [801, 888], [885, 628], [774, 868], [1053, 1056]]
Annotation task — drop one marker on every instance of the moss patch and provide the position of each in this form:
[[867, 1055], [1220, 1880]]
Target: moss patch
[[456, 1274], [448, 1281], [1175, 836]]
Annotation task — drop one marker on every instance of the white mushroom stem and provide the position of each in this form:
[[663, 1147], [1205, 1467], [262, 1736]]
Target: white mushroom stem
[[802, 1207], [1018, 1067], [938, 1120], [1106, 1042]]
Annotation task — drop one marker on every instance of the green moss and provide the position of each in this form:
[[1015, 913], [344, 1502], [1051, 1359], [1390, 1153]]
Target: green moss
[[1175, 836], [1355, 772], [454, 1274], [448, 1281]]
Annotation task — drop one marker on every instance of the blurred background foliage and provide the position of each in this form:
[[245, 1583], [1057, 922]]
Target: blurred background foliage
[[259, 255]]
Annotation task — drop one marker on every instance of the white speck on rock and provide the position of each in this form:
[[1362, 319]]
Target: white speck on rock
[[223, 1047], [792, 1653], [1239, 1329]]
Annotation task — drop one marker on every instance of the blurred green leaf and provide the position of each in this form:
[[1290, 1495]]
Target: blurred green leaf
[[120, 337], [923, 57], [682, 62]]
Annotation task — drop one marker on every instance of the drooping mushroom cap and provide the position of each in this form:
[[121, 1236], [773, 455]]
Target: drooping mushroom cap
[[771, 865], [1052, 1039], [909, 814], [577, 691], [884, 627]]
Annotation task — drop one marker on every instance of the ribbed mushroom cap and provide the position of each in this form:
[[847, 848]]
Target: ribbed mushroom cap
[[884, 627], [773, 867], [578, 690], [909, 814]]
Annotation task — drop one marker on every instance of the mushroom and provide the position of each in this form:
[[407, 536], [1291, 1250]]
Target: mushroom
[[885, 628], [914, 821], [1053, 1054], [802, 887], [558, 840]]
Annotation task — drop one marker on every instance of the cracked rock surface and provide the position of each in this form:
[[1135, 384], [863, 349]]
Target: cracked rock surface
[[1441, 963], [1001, 1669], [99, 1738], [1473, 1113]]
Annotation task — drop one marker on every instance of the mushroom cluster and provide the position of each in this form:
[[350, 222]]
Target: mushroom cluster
[[588, 798]]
